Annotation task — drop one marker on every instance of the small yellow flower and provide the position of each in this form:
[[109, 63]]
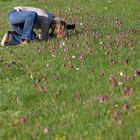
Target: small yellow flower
[[134, 107], [60, 138], [98, 138], [64, 138], [57, 137], [109, 125], [108, 111]]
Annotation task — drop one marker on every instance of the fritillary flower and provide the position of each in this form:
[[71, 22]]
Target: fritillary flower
[[126, 106], [120, 122], [113, 80], [103, 98], [116, 114], [127, 91], [46, 131]]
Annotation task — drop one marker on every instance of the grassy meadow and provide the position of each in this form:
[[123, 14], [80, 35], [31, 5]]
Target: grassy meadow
[[83, 87]]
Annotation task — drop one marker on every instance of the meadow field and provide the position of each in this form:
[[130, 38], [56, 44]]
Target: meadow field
[[82, 87]]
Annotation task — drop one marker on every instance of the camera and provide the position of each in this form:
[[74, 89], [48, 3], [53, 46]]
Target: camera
[[70, 26]]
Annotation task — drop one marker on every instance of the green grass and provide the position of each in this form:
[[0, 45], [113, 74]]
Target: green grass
[[70, 106]]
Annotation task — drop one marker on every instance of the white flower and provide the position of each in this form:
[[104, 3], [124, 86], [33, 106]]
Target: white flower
[[62, 44], [48, 65], [81, 23], [53, 55], [120, 83], [73, 56], [77, 69], [100, 43], [31, 76], [121, 73]]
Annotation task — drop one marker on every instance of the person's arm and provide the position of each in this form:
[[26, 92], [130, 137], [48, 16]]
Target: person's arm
[[45, 25]]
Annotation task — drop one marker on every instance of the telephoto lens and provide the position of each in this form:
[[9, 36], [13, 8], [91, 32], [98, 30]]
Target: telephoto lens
[[70, 26]]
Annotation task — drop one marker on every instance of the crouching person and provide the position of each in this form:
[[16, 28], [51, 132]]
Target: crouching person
[[24, 19]]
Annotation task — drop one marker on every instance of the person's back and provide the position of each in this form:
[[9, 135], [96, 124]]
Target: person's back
[[43, 21], [40, 12]]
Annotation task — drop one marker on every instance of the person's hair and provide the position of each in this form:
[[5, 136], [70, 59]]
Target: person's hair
[[59, 28]]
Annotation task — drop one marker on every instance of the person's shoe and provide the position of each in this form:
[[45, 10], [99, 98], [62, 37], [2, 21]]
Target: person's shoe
[[25, 42], [6, 39]]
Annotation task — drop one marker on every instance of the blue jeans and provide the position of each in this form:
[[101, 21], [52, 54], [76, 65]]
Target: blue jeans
[[22, 23]]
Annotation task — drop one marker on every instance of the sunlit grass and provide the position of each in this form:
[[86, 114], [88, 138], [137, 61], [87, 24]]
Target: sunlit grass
[[70, 88]]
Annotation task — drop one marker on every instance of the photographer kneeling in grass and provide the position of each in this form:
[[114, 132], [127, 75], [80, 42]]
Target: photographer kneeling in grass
[[24, 19]]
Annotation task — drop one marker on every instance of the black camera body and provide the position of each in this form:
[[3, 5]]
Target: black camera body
[[70, 26]]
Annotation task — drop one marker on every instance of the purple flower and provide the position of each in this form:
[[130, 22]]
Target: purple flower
[[126, 106], [120, 122], [46, 131], [113, 80], [116, 114], [103, 98], [113, 119], [136, 72], [127, 91]]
